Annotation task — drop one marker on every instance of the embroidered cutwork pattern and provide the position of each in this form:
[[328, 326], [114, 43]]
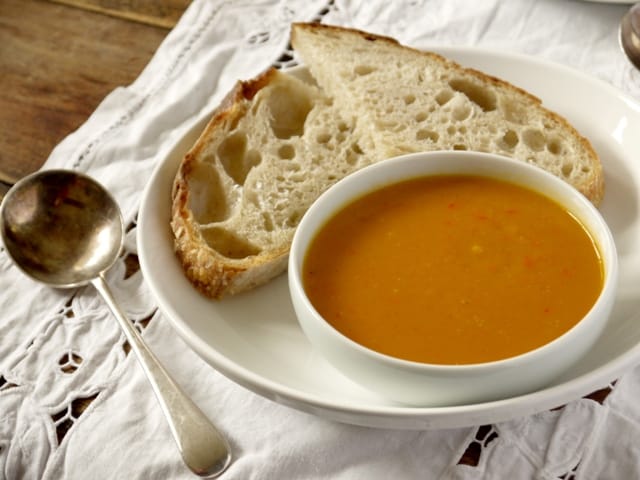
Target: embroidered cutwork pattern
[[485, 434], [570, 475], [258, 38], [288, 58], [130, 259], [67, 311], [601, 395], [5, 385], [131, 265], [140, 326], [70, 362], [65, 418]]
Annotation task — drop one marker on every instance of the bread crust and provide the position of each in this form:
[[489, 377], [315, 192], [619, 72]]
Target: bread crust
[[592, 189], [217, 275], [211, 273]]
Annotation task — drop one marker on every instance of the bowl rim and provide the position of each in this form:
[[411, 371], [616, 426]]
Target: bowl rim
[[487, 168]]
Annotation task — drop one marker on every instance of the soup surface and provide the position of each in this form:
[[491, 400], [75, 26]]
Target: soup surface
[[453, 270]]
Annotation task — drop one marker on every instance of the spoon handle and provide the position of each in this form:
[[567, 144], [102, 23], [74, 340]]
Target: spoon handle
[[202, 447]]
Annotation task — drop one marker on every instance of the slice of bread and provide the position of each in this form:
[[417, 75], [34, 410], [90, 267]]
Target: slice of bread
[[270, 149], [407, 100], [278, 141]]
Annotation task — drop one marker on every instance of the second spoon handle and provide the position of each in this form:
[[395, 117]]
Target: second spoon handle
[[202, 447]]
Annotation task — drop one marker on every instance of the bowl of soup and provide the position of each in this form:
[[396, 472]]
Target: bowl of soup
[[446, 278]]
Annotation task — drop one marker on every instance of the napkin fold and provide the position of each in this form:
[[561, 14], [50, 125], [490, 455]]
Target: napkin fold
[[74, 402]]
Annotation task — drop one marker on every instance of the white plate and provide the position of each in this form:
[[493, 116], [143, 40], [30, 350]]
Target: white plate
[[254, 339]]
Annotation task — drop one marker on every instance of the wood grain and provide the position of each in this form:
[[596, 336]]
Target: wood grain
[[165, 13], [57, 63]]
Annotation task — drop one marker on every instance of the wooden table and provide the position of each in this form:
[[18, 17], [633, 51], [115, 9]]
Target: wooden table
[[59, 59]]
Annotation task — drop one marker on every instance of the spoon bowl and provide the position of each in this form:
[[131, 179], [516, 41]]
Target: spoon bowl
[[65, 230], [61, 228]]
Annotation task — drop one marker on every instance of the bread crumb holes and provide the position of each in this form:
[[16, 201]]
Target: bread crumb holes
[[482, 97], [421, 116], [555, 146], [362, 70], [566, 169], [509, 140], [427, 135], [286, 152], [323, 137], [534, 139], [228, 244], [443, 97]]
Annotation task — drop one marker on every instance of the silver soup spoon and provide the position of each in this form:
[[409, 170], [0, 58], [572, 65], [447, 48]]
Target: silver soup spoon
[[65, 230]]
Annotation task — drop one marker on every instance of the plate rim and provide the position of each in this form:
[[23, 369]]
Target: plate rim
[[385, 415]]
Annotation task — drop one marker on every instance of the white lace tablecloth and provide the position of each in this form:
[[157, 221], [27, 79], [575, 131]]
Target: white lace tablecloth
[[75, 404]]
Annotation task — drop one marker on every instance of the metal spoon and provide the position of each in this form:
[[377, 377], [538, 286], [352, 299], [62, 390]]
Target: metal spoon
[[65, 230], [630, 34]]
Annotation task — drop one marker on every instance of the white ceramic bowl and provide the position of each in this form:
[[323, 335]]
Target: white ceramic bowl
[[445, 385]]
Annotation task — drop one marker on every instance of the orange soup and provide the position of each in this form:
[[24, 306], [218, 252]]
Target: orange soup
[[453, 269]]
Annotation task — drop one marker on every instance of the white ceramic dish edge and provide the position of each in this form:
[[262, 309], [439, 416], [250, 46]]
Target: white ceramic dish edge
[[436, 385], [153, 231]]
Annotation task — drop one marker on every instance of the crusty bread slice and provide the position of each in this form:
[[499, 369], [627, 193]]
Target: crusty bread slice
[[270, 149], [276, 142], [407, 100]]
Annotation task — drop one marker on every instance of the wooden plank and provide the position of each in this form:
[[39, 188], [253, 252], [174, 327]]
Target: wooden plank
[[165, 13], [57, 63]]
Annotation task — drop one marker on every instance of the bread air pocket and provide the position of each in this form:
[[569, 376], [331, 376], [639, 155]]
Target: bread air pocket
[[271, 148]]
